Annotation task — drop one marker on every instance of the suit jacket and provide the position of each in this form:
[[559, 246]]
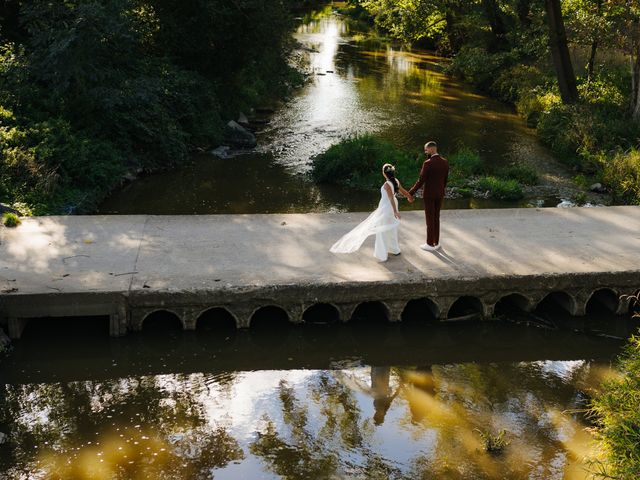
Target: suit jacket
[[433, 177]]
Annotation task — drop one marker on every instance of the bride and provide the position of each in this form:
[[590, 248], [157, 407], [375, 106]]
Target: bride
[[383, 222]]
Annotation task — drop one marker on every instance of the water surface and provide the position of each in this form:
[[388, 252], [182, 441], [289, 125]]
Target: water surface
[[334, 402]]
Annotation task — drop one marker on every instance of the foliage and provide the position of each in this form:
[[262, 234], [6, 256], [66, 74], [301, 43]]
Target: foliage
[[493, 444], [478, 66], [466, 162], [618, 418], [90, 90], [10, 220], [621, 175], [408, 20], [499, 188], [523, 174], [358, 162], [579, 198]]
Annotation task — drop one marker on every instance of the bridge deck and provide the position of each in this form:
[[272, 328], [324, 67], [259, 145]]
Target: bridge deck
[[164, 254]]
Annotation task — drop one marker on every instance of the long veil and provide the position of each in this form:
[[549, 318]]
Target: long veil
[[379, 221]]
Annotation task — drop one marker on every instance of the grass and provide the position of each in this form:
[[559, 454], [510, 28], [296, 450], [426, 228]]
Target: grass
[[494, 444], [579, 198], [617, 413], [357, 161], [523, 174], [466, 162], [500, 188], [10, 220], [621, 175]]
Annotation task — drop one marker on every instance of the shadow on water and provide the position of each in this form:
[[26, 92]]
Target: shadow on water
[[273, 343]]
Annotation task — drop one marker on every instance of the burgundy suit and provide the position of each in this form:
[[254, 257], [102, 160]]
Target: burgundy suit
[[432, 180]]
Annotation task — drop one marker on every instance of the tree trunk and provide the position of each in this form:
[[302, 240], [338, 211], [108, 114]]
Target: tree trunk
[[494, 17], [523, 9], [592, 59], [635, 84], [594, 48], [560, 52], [451, 29]]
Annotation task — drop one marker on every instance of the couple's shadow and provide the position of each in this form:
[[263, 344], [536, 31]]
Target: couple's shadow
[[440, 254], [443, 256]]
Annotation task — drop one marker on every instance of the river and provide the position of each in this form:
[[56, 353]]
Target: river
[[404, 401], [355, 86]]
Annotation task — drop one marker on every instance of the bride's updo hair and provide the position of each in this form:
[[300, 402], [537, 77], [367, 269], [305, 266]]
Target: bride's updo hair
[[389, 171]]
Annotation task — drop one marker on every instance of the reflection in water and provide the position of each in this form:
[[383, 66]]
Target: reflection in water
[[349, 420], [355, 88]]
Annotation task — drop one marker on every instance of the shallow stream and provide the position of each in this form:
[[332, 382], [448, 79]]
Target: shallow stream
[[356, 86]]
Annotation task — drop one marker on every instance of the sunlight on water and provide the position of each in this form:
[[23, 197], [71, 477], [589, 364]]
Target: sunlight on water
[[357, 422]]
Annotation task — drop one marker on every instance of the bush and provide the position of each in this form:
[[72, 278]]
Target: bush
[[466, 162], [618, 418], [621, 175], [477, 66], [499, 188], [10, 220], [99, 88], [358, 162], [513, 82], [523, 174]]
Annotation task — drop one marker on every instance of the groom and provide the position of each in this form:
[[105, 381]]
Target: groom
[[432, 180]]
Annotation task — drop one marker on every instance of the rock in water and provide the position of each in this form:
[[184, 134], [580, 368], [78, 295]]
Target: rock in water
[[242, 119], [221, 152], [237, 136], [7, 209], [3, 438]]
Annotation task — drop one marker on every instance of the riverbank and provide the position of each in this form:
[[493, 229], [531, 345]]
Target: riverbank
[[79, 120], [355, 163], [617, 416], [507, 55]]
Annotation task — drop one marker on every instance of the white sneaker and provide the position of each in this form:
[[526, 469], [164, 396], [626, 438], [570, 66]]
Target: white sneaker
[[427, 247], [438, 247]]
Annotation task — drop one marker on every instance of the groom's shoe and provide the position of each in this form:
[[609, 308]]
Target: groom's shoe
[[427, 247]]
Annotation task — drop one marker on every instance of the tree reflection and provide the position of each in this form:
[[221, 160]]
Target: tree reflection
[[146, 427], [526, 400], [326, 446], [309, 424]]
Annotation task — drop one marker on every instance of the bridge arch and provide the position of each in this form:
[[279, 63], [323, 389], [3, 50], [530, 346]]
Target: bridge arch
[[465, 306], [216, 318], [558, 300], [419, 310], [513, 302], [162, 319], [603, 298], [371, 312], [320, 313], [269, 316]]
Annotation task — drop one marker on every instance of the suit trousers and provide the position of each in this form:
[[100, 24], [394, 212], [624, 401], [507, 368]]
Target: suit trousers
[[432, 208]]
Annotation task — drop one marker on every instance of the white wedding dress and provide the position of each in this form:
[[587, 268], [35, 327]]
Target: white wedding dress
[[381, 223]]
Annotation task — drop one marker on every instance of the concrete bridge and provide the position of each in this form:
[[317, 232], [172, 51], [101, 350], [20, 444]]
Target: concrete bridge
[[253, 268]]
